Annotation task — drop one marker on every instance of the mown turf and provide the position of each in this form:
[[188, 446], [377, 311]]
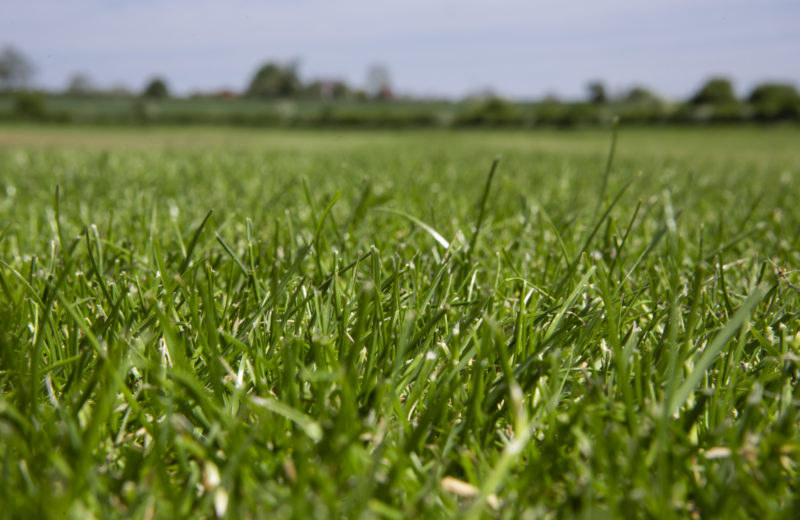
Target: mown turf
[[372, 325]]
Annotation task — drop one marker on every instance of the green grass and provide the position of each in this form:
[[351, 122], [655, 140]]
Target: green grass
[[370, 325]]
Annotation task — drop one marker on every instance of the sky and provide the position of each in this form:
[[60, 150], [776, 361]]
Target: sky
[[523, 49]]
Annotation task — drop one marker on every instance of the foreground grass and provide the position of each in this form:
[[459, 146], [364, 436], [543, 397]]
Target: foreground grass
[[372, 325]]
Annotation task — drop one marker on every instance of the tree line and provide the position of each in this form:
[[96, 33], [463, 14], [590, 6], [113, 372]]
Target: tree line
[[337, 102]]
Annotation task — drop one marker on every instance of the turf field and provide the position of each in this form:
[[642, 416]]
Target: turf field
[[266, 324]]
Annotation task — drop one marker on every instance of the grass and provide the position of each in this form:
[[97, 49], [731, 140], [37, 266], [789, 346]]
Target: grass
[[373, 325]]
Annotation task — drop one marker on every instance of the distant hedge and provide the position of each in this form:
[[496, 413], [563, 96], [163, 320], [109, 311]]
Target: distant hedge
[[766, 104]]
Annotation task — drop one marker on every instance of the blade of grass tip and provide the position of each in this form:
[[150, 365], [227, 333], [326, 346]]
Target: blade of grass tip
[[318, 231], [428, 229], [4, 285], [280, 286], [622, 242], [602, 219], [193, 243], [306, 423], [4, 231], [96, 267], [47, 300], [98, 245], [25, 283], [359, 207], [482, 207], [325, 213], [58, 220], [709, 354], [309, 199], [650, 247], [549, 221], [158, 258], [233, 255], [609, 161], [574, 264], [510, 455], [14, 417], [568, 303], [80, 322]]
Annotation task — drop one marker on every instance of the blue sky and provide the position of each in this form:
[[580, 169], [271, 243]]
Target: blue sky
[[518, 48]]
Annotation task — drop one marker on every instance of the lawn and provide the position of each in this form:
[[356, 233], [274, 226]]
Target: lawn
[[244, 323]]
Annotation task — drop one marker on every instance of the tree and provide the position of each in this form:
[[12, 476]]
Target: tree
[[273, 80], [16, 70], [120, 91], [641, 96], [379, 84], [326, 90], [775, 101], [156, 89], [716, 91], [29, 104], [597, 93], [492, 111], [79, 84]]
